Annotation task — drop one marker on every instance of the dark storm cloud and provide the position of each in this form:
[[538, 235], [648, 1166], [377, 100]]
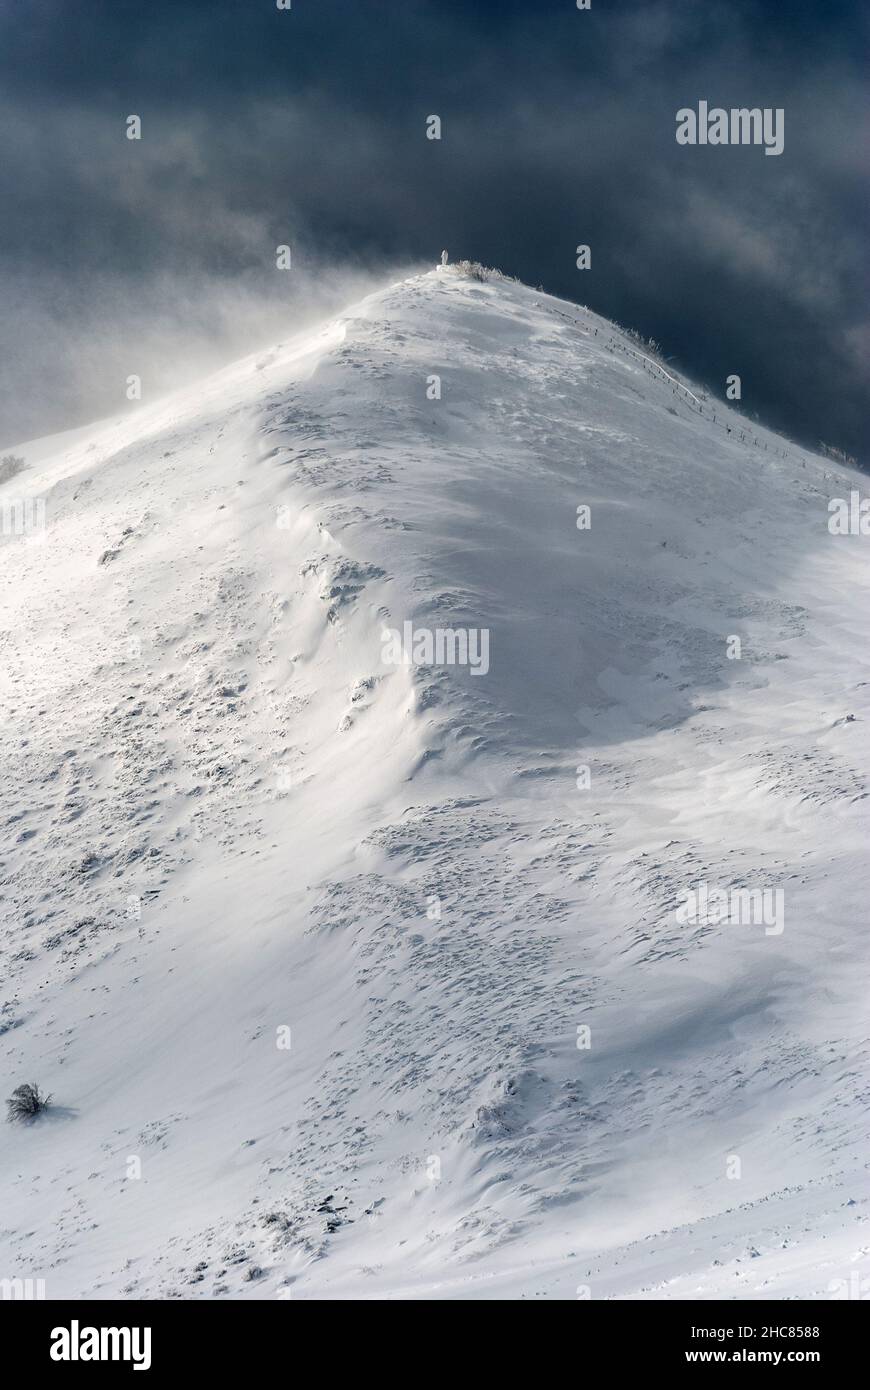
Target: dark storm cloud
[[262, 127]]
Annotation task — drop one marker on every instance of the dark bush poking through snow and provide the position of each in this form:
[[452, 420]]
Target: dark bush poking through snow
[[25, 1103], [10, 466]]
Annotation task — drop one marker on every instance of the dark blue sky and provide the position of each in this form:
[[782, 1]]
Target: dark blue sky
[[262, 127]]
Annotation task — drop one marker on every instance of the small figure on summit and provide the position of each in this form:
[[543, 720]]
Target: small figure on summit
[[443, 257]]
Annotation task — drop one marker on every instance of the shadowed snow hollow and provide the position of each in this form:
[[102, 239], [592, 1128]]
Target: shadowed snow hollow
[[377, 717]]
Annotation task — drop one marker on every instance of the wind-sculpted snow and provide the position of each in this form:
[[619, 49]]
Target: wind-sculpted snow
[[358, 973]]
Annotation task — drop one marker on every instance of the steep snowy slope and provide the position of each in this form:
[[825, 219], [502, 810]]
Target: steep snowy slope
[[355, 978]]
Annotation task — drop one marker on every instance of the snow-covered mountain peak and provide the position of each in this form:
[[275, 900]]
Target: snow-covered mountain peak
[[372, 711]]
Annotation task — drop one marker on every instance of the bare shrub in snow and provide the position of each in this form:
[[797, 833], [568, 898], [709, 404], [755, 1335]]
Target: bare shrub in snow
[[649, 345], [830, 451], [10, 465], [473, 270], [26, 1102]]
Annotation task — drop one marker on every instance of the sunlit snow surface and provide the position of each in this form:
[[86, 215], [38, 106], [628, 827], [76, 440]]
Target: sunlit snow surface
[[225, 817]]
